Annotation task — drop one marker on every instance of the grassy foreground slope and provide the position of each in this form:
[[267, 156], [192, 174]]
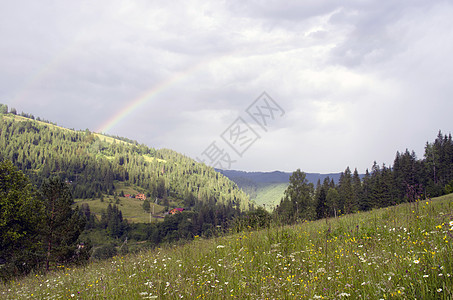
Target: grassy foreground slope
[[402, 252]]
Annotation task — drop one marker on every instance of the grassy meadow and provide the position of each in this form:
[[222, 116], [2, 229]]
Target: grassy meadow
[[270, 195], [131, 208], [402, 252]]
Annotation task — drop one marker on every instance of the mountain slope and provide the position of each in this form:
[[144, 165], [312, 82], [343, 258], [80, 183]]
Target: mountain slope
[[92, 163], [267, 188], [269, 195]]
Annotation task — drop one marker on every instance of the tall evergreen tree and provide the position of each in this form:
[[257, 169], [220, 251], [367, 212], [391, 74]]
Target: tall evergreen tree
[[407, 172], [356, 190], [20, 216], [366, 201], [300, 194], [322, 210], [345, 190], [62, 225]]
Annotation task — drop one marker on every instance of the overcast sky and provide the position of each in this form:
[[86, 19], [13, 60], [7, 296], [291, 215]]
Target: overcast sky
[[353, 82]]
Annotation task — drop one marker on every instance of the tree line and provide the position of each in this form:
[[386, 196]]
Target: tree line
[[408, 180]]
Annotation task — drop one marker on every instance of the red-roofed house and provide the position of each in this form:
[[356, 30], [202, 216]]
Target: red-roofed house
[[175, 211], [140, 196]]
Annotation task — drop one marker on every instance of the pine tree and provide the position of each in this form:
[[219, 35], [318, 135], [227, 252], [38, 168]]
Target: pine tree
[[62, 225], [322, 209], [146, 206], [356, 190], [366, 200], [300, 193], [345, 191], [20, 216]]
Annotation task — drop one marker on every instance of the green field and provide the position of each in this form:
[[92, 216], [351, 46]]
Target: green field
[[131, 208], [269, 195], [402, 252]]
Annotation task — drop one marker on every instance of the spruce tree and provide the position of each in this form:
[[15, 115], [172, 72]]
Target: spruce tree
[[62, 225], [300, 194], [356, 190], [20, 217], [321, 199], [345, 191]]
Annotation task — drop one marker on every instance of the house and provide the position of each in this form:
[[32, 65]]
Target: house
[[175, 211], [140, 196]]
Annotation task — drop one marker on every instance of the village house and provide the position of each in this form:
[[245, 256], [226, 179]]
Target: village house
[[140, 196], [175, 211]]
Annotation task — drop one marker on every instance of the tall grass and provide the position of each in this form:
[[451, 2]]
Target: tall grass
[[402, 252]]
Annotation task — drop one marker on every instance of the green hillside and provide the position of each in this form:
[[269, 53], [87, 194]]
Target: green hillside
[[267, 189], [269, 195], [131, 208], [98, 166], [401, 252]]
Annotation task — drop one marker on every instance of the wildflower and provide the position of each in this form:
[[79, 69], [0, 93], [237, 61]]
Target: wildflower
[[220, 246], [425, 276], [344, 295], [416, 261], [439, 290]]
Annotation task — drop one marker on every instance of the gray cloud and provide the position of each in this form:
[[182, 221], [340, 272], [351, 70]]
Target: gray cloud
[[358, 80]]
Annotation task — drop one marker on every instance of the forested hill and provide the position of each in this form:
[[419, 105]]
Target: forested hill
[[92, 163]]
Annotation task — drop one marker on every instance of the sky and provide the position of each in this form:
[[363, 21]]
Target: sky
[[346, 83]]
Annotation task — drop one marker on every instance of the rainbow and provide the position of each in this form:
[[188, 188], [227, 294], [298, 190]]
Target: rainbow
[[148, 95], [49, 68], [143, 98]]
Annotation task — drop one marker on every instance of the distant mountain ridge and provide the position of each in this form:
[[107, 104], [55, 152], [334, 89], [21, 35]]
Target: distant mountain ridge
[[275, 176], [267, 188]]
